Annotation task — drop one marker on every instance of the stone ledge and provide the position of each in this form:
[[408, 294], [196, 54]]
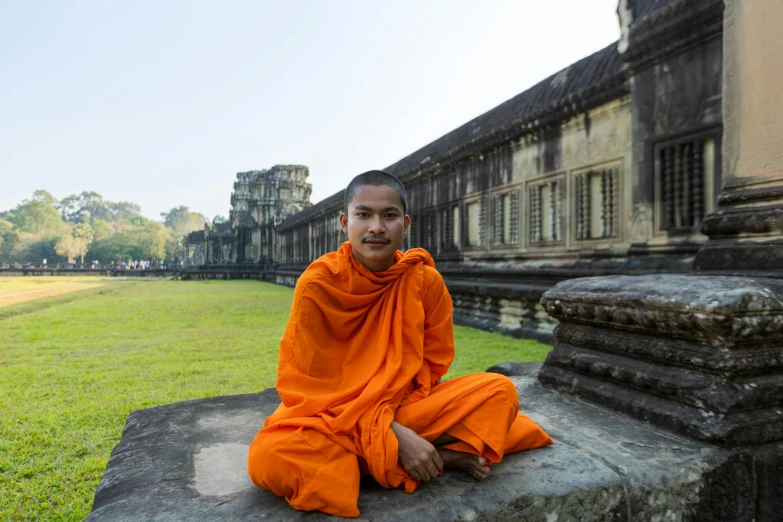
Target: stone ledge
[[724, 312], [187, 461]]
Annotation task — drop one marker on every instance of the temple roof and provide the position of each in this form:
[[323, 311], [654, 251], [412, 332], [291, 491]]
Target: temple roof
[[197, 236], [590, 82], [643, 8], [222, 228], [581, 86]]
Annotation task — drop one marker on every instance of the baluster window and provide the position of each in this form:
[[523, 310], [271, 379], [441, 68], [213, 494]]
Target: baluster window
[[475, 223], [685, 183], [546, 211], [595, 203], [506, 218]]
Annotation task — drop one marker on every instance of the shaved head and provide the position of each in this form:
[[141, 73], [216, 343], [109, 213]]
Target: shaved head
[[375, 178]]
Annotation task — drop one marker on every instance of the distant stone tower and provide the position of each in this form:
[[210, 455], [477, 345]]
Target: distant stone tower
[[261, 200]]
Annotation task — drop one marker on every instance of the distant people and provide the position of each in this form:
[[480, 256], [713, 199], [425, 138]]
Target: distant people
[[44, 262]]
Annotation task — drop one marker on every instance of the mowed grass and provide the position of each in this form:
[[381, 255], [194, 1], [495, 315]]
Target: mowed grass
[[71, 371]]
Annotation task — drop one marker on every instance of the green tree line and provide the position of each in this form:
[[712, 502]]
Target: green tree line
[[86, 227]]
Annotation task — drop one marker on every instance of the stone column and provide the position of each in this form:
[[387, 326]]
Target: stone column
[[700, 355], [746, 229]]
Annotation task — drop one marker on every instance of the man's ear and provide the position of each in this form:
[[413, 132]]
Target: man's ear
[[407, 223], [344, 222]]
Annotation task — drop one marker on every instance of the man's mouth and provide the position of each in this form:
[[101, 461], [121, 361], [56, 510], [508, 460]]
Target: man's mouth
[[376, 241]]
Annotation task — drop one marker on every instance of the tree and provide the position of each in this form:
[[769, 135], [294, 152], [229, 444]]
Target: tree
[[38, 249], [68, 247], [44, 197], [83, 235], [149, 240], [90, 206], [182, 221], [86, 207], [152, 239], [69, 208], [101, 229], [8, 244], [117, 246], [38, 215], [123, 211]]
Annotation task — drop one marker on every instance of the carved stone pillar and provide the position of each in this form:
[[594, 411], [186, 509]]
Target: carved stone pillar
[[746, 229]]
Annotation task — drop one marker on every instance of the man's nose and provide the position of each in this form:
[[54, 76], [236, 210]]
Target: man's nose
[[376, 225]]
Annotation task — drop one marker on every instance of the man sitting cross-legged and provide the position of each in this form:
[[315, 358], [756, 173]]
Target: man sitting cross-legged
[[359, 373]]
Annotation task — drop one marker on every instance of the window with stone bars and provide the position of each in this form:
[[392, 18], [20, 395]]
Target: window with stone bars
[[595, 203], [450, 228], [685, 183], [413, 231], [506, 218], [546, 212], [430, 232], [474, 214]]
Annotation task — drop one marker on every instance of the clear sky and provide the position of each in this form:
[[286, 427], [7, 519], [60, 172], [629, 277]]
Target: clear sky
[[162, 102]]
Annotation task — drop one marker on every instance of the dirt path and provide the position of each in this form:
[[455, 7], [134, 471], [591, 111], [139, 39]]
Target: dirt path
[[31, 295]]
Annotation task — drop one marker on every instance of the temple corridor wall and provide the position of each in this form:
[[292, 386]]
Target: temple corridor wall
[[518, 201]]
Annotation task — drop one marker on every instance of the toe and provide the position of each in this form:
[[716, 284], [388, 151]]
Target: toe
[[478, 475]]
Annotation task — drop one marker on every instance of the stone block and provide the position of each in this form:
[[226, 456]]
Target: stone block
[[697, 355], [188, 461]]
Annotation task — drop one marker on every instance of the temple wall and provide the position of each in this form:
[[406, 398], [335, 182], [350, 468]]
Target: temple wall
[[676, 93], [481, 208]]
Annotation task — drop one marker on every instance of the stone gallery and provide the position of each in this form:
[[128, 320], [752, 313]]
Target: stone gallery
[[655, 167], [607, 167]]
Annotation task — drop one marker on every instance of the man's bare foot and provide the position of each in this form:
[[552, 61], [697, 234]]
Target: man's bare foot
[[476, 465]]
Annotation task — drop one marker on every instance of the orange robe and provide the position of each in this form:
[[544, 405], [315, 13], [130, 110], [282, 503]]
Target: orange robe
[[363, 349]]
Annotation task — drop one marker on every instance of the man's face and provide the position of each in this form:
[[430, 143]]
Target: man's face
[[375, 225]]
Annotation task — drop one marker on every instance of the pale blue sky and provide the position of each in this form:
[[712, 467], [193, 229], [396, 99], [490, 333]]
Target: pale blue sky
[[162, 102]]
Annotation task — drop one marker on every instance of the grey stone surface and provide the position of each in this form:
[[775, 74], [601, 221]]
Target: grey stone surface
[[696, 355], [516, 369], [723, 312], [186, 461]]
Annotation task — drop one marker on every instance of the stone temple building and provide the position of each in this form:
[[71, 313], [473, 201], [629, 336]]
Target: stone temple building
[[606, 167], [261, 200]]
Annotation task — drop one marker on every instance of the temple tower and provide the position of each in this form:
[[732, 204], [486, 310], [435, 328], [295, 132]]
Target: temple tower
[[260, 201]]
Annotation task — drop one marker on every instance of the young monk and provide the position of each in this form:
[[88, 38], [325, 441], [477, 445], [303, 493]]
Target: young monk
[[359, 373]]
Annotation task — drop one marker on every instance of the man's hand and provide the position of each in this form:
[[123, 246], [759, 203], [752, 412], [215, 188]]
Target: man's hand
[[419, 458]]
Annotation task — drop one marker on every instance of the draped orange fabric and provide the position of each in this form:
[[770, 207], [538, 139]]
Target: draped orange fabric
[[363, 349]]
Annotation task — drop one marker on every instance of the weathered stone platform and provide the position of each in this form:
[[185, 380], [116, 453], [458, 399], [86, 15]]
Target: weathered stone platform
[[187, 461]]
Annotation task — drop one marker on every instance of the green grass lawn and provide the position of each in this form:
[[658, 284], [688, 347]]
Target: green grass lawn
[[72, 369]]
